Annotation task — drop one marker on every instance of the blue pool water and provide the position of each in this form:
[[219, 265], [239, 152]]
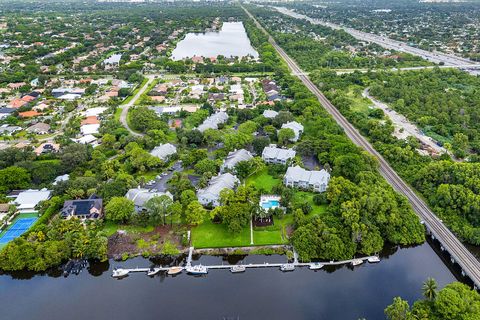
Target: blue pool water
[[270, 204]]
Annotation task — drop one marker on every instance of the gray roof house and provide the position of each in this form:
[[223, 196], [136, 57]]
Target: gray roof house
[[140, 196], [164, 151], [296, 127], [213, 121], [39, 128], [91, 208], [298, 177], [211, 194], [235, 157], [27, 200], [270, 114], [272, 154]]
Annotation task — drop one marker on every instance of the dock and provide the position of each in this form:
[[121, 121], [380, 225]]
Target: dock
[[277, 265]]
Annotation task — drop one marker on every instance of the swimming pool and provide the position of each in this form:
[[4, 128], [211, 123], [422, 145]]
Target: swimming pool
[[269, 204]]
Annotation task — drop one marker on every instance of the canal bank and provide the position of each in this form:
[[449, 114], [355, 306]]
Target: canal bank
[[339, 292]]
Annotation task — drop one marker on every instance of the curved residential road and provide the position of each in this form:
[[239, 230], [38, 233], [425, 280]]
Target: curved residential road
[[459, 253], [126, 107]]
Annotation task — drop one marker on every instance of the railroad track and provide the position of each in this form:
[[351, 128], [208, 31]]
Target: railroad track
[[459, 253]]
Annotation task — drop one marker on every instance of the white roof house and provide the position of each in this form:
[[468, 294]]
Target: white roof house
[[270, 114], [235, 157], [70, 96], [296, 127], [140, 196], [213, 121], [94, 111], [272, 154], [87, 139], [211, 194], [164, 151], [62, 178], [113, 59], [310, 180], [27, 200], [89, 129]]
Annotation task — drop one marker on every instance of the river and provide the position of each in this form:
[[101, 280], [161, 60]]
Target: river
[[333, 293]]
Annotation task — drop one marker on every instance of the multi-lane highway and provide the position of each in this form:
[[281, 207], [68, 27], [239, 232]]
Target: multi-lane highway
[[459, 253], [433, 56]]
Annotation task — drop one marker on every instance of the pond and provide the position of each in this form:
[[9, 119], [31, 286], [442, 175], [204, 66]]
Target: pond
[[333, 293], [230, 41]]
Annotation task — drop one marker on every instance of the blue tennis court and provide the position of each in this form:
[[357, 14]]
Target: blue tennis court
[[17, 229]]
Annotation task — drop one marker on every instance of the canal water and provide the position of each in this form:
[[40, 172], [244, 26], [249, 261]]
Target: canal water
[[230, 41], [333, 293]]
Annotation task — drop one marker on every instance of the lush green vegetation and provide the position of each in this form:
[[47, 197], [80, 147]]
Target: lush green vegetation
[[455, 301]]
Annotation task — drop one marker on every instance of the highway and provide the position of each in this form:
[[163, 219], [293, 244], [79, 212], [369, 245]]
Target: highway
[[434, 56], [459, 253]]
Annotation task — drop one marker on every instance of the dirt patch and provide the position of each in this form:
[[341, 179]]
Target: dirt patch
[[122, 244]]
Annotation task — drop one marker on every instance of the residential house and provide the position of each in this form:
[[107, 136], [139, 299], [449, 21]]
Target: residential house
[[270, 114], [61, 178], [211, 194], [47, 147], [91, 208], [298, 177], [296, 127], [8, 130], [164, 151], [39, 128], [27, 200], [233, 158], [29, 114], [140, 196], [213, 121], [89, 129], [274, 155]]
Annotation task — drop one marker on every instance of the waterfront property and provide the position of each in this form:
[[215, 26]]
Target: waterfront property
[[140, 196], [91, 208], [298, 177], [274, 155], [211, 194], [20, 225]]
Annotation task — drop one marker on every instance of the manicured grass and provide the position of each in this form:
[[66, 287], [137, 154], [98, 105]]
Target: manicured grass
[[118, 113], [211, 235], [304, 196], [110, 228], [262, 180]]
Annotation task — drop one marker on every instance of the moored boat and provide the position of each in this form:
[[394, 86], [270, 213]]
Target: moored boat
[[174, 270], [198, 269], [237, 269], [287, 267], [356, 262], [315, 266], [153, 271], [119, 273], [374, 259]]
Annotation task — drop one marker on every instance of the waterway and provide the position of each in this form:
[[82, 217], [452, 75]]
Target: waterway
[[333, 293], [230, 41]]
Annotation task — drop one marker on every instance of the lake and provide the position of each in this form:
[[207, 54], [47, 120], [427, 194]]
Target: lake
[[341, 293], [230, 41]]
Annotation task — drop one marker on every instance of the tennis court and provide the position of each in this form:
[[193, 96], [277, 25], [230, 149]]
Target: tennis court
[[17, 229]]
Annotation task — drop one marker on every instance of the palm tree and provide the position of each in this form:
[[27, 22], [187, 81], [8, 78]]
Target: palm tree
[[429, 289]]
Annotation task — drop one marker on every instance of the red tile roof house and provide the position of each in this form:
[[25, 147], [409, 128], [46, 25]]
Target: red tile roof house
[[29, 114], [90, 120], [17, 103], [16, 85]]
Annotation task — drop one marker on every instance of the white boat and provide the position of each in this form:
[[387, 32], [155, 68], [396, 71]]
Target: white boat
[[315, 266], [198, 269], [374, 259], [356, 262], [120, 273], [237, 269], [287, 267], [174, 270], [153, 271]]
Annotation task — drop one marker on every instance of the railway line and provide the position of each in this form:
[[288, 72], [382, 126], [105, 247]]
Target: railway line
[[459, 253]]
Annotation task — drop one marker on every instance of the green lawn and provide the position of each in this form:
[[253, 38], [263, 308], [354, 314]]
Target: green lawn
[[360, 104], [262, 180]]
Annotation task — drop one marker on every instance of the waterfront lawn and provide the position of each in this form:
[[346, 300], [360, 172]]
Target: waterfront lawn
[[305, 196], [263, 181], [212, 235]]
